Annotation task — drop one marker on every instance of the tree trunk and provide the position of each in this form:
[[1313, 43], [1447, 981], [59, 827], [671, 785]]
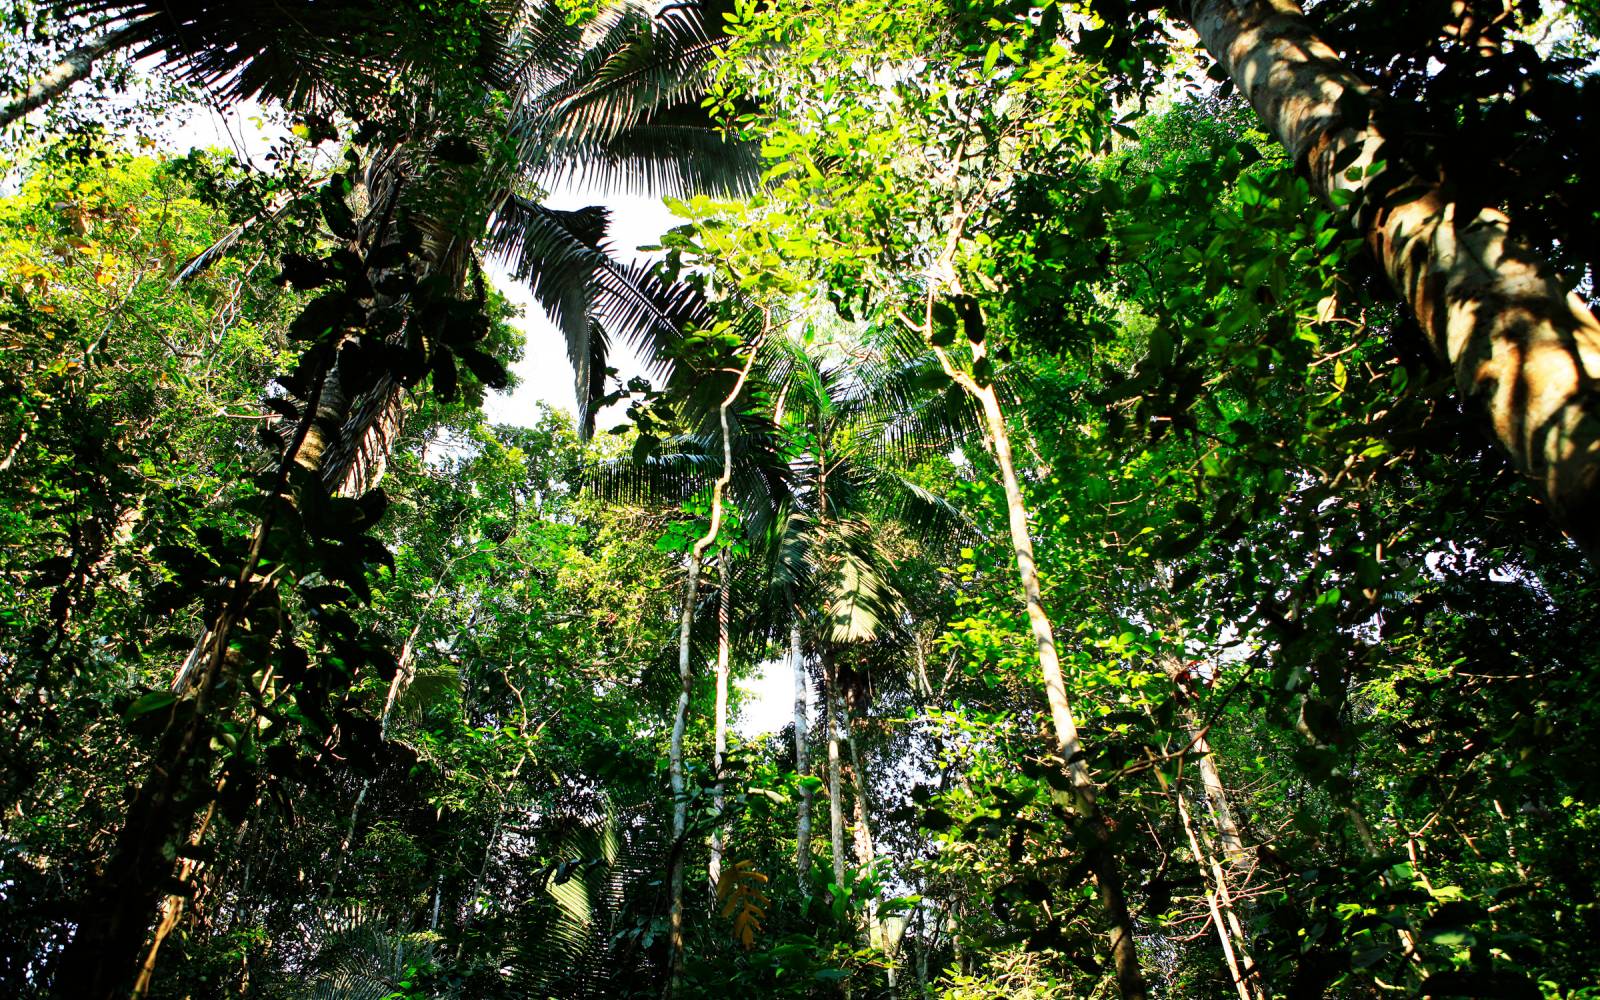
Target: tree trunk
[[802, 762], [1228, 837], [1100, 856], [719, 791], [118, 905], [72, 67], [120, 901], [680, 802], [1524, 351], [1102, 860], [1249, 989], [830, 700], [866, 853]]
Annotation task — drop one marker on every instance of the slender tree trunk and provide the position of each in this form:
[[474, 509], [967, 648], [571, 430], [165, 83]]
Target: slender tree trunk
[[866, 852], [495, 829], [1525, 352], [680, 801], [405, 670], [1100, 855], [1249, 989], [118, 905], [72, 67], [172, 908], [1232, 845], [1511, 840], [719, 760], [1228, 837], [1102, 860], [830, 699], [802, 762]]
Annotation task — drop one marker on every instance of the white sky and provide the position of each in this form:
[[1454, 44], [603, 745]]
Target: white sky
[[545, 374]]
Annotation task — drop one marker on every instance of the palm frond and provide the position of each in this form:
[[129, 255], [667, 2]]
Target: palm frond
[[641, 65], [351, 953], [299, 52], [604, 871], [542, 48], [591, 296], [558, 254], [855, 579], [657, 157], [930, 518]]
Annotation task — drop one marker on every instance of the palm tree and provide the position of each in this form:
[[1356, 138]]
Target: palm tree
[[808, 479], [301, 53], [856, 420], [413, 258]]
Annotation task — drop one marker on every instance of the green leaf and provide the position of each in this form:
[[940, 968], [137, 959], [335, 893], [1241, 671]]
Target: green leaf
[[155, 701]]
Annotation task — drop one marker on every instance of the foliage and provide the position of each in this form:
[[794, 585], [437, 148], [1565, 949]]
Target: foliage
[[317, 683]]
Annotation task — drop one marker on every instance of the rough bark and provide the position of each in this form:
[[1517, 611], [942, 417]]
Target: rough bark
[[70, 69], [1524, 351]]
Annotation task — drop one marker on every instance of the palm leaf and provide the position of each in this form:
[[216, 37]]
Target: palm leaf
[[299, 52], [350, 953], [640, 65], [604, 871], [656, 157]]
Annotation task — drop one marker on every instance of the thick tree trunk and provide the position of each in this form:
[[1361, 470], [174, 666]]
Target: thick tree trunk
[[1525, 352], [72, 67], [719, 792], [802, 762], [119, 904]]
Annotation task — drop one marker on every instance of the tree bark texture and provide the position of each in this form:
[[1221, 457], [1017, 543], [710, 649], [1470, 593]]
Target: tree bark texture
[[1524, 351]]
